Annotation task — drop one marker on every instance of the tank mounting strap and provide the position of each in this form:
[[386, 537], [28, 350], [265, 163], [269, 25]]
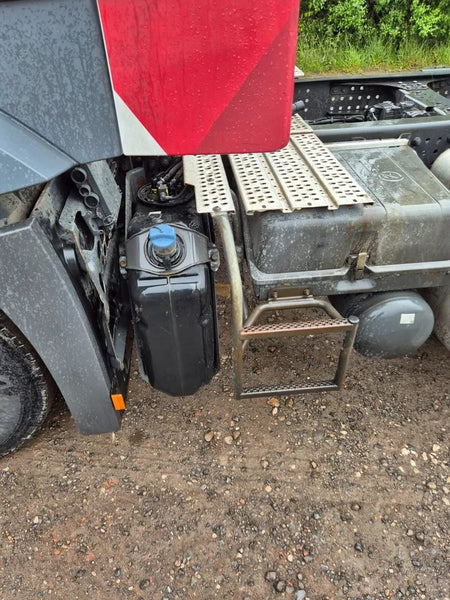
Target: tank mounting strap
[[207, 174], [304, 174]]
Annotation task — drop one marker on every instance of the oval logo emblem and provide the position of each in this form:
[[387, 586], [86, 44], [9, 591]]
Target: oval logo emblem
[[391, 176]]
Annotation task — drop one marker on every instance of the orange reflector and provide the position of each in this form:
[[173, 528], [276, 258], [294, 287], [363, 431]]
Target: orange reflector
[[118, 401]]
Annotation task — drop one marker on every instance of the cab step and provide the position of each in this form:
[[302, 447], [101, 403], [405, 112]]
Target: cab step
[[319, 326], [263, 391], [334, 323], [248, 328]]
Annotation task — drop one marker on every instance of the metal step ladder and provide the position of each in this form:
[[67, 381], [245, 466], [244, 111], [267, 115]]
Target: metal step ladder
[[245, 329], [332, 323]]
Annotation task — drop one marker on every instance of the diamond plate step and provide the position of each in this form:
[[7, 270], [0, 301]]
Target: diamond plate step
[[314, 386], [318, 326]]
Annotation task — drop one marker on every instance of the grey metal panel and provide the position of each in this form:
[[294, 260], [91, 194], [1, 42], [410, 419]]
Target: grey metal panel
[[335, 282], [389, 128], [41, 300], [54, 78], [25, 158], [14, 174]]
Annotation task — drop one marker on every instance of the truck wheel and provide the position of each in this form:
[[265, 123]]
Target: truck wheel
[[25, 390]]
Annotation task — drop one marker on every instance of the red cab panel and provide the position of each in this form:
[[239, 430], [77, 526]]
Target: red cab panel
[[201, 76]]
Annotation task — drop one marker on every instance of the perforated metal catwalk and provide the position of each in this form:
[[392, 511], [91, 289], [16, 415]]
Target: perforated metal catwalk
[[304, 174]]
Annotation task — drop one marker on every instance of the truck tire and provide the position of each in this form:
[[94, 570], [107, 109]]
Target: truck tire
[[25, 389]]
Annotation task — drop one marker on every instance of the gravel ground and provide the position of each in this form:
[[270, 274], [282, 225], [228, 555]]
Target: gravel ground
[[339, 495]]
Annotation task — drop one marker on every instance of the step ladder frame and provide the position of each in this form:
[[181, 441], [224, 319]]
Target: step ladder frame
[[245, 329]]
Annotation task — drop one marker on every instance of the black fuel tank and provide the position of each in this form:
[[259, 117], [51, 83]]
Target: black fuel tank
[[170, 276]]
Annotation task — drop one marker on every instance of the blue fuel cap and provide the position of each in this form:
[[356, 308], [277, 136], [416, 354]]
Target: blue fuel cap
[[162, 237]]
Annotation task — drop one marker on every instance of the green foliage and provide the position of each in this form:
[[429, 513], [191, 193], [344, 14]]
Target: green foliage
[[422, 19], [317, 54], [349, 16], [393, 20]]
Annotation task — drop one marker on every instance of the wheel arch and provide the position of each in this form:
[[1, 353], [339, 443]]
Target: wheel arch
[[40, 299]]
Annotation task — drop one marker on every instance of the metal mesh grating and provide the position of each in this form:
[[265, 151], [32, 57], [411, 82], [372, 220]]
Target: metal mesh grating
[[337, 182], [207, 174], [296, 181], [265, 390], [312, 326], [304, 174], [298, 125], [257, 186]]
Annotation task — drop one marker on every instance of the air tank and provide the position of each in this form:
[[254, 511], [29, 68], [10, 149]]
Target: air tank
[[391, 324]]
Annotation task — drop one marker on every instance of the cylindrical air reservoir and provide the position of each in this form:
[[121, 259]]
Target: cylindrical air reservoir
[[391, 324], [441, 168]]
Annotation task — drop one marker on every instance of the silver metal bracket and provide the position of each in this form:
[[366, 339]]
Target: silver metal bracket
[[196, 250]]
